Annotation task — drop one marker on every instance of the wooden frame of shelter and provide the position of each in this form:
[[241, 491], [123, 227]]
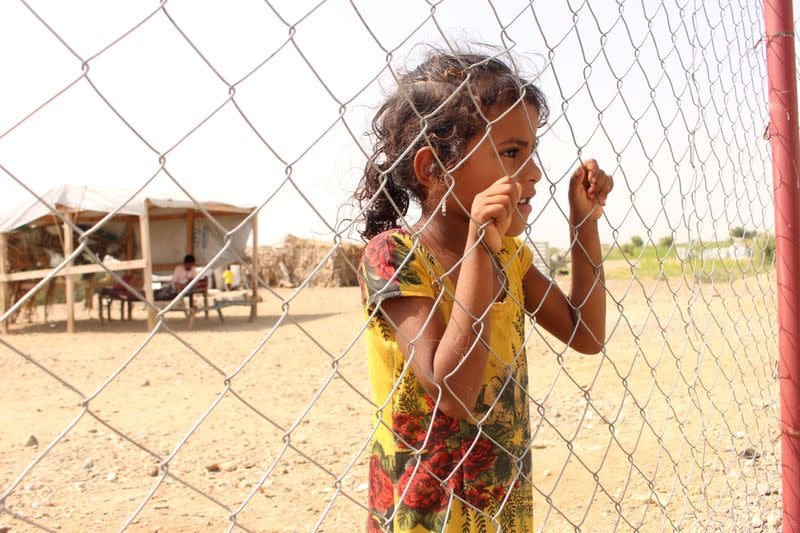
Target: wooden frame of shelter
[[144, 262]]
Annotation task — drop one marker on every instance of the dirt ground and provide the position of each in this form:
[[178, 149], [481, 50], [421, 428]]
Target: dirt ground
[[674, 426]]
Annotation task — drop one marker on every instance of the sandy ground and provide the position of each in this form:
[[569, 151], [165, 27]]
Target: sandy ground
[[674, 427]]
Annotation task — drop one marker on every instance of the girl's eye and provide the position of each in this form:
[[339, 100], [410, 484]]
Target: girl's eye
[[511, 152]]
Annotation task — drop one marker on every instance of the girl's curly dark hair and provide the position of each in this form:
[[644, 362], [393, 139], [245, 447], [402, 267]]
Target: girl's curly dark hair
[[452, 117]]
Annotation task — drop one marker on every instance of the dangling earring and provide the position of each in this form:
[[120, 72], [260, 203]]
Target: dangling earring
[[444, 208]]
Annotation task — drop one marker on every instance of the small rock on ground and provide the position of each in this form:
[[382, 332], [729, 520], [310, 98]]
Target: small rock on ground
[[648, 499], [774, 519], [32, 441], [750, 453]]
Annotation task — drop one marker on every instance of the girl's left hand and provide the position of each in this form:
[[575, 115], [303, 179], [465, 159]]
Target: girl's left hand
[[588, 190]]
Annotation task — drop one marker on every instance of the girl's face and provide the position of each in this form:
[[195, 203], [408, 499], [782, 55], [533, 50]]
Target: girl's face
[[506, 151]]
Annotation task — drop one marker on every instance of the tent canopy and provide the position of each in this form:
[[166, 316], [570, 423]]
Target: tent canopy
[[98, 201], [172, 222]]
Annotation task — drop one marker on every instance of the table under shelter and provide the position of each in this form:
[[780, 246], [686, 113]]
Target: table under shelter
[[142, 236]]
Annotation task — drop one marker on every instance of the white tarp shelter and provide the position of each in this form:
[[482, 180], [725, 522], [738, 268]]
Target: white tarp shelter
[[156, 233]]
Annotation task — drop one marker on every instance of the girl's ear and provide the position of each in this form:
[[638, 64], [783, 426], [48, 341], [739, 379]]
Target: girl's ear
[[425, 166]]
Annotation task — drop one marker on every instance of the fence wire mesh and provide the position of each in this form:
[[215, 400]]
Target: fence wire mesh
[[265, 425]]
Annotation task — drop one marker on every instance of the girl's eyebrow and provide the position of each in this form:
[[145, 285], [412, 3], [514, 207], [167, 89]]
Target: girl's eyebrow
[[516, 141]]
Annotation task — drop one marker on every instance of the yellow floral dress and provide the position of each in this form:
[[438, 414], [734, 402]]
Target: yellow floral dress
[[429, 472]]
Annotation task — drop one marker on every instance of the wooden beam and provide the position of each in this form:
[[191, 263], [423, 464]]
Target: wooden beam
[[3, 284], [225, 209], [169, 267], [254, 274], [82, 218], [129, 239], [92, 219], [189, 232], [67, 210], [165, 267], [195, 214], [147, 257], [69, 289], [135, 264], [171, 216]]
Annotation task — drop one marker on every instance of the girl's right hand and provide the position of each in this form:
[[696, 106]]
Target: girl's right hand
[[495, 205]]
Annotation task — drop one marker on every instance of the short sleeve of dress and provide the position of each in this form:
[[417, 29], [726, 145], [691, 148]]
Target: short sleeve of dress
[[525, 255], [391, 267]]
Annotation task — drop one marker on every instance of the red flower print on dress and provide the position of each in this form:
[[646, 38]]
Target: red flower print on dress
[[373, 526], [381, 491], [479, 459], [498, 492], [478, 495], [443, 426], [379, 256], [425, 490], [409, 429]]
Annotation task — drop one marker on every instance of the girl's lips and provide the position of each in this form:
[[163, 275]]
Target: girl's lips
[[524, 209], [526, 200]]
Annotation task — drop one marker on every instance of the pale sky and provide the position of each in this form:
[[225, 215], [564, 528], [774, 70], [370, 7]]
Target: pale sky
[[163, 89]]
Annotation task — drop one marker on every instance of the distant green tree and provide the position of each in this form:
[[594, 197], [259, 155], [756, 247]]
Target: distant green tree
[[637, 241], [627, 249], [750, 234], [765, 247], [737, 232], [666, 241]]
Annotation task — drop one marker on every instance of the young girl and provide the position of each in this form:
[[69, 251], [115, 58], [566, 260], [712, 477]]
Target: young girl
[[447, 301]]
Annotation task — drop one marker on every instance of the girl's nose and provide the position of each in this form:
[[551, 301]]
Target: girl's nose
[[531, 172]]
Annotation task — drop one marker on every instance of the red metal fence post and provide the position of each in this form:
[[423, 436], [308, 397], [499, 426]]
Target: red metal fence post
[[783, 132]]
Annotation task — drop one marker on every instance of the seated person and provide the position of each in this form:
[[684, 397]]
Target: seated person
[[181, 277], [184, 273]]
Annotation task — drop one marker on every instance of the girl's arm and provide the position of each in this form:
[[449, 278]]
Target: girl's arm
[[578, 320], [449, 359]]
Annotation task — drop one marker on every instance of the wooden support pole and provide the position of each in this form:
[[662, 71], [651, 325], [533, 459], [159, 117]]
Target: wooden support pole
[[3, 284], [69, 281], [190, 232], [144, 231], [254, 274], [128, 239]]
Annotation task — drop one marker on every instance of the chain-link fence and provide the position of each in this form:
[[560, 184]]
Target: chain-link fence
[[261, 420]]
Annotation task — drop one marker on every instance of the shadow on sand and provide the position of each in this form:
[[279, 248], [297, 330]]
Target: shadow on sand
[[176, 321]]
